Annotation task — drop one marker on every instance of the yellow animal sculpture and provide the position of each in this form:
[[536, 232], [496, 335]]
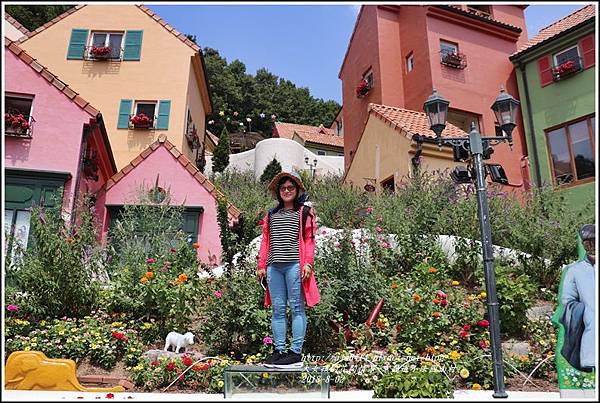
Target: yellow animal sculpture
[[32, 370]]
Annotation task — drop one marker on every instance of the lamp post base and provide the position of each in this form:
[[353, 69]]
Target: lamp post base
[[500, 395]]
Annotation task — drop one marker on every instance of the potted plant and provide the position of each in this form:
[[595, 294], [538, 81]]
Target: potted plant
[[452, 58], [16, 123], [100, 52], [567, 67], [141, 121], [363, 88]]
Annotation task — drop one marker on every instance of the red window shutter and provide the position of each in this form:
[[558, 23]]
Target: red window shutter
[[545, 69], [588, 48]]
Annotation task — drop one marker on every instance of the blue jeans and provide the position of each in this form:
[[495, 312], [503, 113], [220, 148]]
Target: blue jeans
[[285, 287]]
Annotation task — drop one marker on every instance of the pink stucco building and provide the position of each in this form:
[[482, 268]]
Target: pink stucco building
[[53, 139], [162, 162]]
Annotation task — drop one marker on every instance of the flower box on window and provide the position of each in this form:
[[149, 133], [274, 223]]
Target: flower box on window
[[102, 53], [363, 88], [141, 121], [566, 69], [454, 60], [17, 124]]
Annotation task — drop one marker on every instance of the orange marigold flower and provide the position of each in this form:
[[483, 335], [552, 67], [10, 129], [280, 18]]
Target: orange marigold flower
[[394, 286], [436, 314], [416, 297], [476, 386], [433, 270], [144, 280], [195, 245], [149, 274], [182, 278]]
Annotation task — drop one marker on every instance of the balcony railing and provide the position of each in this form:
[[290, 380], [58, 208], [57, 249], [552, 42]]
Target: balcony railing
[[99, 53], [567, 68], [454, 60], [142, 124], [18, 125]]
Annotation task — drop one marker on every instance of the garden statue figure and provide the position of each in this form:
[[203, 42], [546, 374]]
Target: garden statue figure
[[179, 341], [286, 257], [575, 315]]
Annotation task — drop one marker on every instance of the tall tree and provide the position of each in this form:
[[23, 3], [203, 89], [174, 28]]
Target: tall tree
[[32, 17], [272, 169], [221, 155]]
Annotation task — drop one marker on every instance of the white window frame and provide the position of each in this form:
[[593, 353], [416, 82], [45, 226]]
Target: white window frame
[[155, 103], [369, 78], [22, 96], [410, 62], [555, 56], [107, 40]]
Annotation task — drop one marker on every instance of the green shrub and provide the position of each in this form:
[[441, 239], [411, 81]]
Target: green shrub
[[271, 170], [515, 293], [415, 384], [57, 275]]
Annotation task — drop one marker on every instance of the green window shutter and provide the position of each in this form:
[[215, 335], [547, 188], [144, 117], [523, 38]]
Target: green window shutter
[[133, 45], [77, 44], [124, 111], [190, 225], [164, 108]]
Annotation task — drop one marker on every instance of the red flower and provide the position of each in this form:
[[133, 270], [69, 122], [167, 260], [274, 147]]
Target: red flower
[[154, 363], [484, 344], [209, 280], [466, 328], [483, 323], [463, 333], [119, 336], [441, 295], [187, 360], [362, 88], [436, 301], [100, 50], [444, 302], [141, 119], [110, 396], [170, 366], [201, 367]]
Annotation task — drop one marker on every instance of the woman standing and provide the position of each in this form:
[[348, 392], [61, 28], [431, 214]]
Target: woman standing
[[286, 257]]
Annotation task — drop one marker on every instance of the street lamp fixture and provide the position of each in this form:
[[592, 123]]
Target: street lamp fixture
[[312, 166], [475, 148]]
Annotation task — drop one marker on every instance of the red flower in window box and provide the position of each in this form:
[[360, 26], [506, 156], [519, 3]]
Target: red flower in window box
[[100, 51], [566, 67], [363, 88], [141, 120], [16, 122]]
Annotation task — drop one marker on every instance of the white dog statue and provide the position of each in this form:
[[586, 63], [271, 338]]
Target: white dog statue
[[179, 340]]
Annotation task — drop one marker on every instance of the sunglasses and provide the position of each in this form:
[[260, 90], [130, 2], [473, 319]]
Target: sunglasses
[[287, 189]]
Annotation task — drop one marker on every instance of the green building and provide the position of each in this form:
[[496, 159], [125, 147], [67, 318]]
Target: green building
[[556, 77]]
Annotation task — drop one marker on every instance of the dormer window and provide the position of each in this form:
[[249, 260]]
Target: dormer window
[[480, 9]]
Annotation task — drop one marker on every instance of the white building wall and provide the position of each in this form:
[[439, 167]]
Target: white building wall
[[289, 153]]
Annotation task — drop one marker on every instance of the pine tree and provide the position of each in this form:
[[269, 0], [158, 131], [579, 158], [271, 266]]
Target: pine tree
[[221, 154], [272, 169]]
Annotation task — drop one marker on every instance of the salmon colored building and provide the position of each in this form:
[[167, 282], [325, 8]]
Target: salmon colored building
[[186, 185], [402, 52], [127, 61], [53, 139]]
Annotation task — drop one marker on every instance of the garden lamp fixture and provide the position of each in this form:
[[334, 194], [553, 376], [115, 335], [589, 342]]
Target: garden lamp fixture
[[312, 166], [505, 108], [475, 149], [436, 108]]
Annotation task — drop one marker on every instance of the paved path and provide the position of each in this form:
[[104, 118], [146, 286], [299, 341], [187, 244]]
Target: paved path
[[33, 396]]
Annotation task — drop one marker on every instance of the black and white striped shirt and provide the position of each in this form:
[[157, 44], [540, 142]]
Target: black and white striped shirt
[[284, 227]]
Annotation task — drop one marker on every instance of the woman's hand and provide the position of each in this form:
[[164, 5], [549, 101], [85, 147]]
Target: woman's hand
[[306, 270]]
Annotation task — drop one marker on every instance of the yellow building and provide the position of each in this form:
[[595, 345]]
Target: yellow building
[[126, 60], [387, 152]]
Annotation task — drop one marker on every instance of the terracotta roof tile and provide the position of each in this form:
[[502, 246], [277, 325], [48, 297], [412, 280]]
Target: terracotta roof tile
[[50, 77], [15, 23], [185, 162], [326, 139], [313, 134], [411, 122], [477, 13], [176, 153], [580, 16]]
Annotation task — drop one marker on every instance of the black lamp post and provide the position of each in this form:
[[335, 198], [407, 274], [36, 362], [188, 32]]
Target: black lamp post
[[312, 166], [505, 109]]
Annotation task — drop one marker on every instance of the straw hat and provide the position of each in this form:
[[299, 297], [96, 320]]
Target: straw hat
[[294, 177]]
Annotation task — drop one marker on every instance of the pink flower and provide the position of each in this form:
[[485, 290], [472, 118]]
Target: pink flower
[[369, 209], [218, 294], [150, 260], [378, 229], [267, 340], [484, 344], [12, 308], [385, 245], [337, 244]]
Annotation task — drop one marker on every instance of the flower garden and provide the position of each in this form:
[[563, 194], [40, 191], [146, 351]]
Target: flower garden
[[431, 336]]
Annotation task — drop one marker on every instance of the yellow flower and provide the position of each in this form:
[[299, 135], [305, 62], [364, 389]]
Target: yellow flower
[[464, 374], [146, 325], [482, 295], [454, 355], [416, 297], [27, 348], [265, 375], [61, 332], [476, 386], [116, 324], [454, 282], [408, 350], [471, 297], [220, 384]]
